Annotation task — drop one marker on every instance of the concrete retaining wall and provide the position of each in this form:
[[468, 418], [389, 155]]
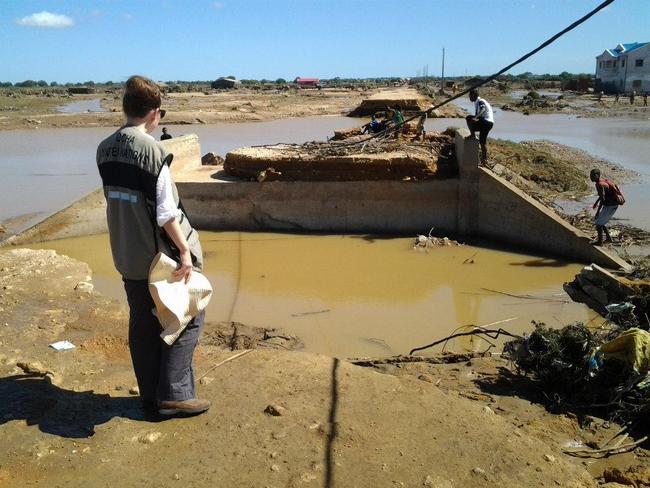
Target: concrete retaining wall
[[186, 151], [354, 206]]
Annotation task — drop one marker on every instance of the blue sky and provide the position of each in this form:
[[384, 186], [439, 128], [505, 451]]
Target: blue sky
[[105, 40]]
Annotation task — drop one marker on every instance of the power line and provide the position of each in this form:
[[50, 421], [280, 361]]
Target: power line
[[495, 75]]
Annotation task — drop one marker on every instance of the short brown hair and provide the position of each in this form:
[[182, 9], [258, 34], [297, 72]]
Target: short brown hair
[[140, 96]]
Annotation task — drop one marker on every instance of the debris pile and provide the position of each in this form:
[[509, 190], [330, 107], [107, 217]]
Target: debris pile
[[531, 102], [353, 159], [429, 241], [589, 370], [211, 159]]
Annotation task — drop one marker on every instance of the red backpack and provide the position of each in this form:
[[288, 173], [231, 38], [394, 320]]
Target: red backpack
[[617, 192]]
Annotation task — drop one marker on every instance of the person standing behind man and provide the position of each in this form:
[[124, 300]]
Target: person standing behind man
[[607, 204], [144, 217], [482, 121], [165, 135]]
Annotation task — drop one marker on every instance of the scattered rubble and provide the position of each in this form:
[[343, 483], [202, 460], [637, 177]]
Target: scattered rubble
[[637, 476], [211, 159], [275, 410], [622, 234], [237, 336], [429, 241], [602, 291]]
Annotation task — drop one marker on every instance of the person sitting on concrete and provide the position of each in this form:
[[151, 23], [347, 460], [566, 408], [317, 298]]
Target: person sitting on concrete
[[616, 96], [482, 121], [607, 204], [165, 135], [632, 95], [374, 126], [645, 99]]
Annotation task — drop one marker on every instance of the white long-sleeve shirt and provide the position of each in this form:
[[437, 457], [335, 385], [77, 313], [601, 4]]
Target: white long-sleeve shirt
[[166, 208], [483, 110]]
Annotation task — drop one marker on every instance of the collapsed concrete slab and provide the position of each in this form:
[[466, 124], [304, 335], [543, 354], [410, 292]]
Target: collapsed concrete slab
[[408, 100], [345, 161]]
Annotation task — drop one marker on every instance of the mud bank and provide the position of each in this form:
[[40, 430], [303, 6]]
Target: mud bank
[[68, 417]]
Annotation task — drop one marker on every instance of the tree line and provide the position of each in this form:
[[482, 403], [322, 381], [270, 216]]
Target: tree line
[[336, 81]]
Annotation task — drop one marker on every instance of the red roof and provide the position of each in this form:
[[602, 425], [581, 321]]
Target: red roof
[[307, 81]]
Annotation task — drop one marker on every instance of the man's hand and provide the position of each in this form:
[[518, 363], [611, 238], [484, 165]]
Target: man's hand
[[184, 271], [173, 229]]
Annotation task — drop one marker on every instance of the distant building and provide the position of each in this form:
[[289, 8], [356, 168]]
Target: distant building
[[579, 84], [307, 82], [225, 82], [624, 68]]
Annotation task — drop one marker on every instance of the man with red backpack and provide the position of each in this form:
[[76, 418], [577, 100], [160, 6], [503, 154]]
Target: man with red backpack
[[609, 198]]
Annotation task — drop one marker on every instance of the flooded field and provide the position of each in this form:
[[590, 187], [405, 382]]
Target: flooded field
[[82, 107], [358, 295]]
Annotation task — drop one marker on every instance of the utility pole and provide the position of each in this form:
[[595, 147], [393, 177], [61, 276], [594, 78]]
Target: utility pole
[[442, 81]]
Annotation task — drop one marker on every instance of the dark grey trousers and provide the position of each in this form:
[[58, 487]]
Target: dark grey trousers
[[163, 372]]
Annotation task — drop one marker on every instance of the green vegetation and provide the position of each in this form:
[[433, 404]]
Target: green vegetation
[[540, 165]]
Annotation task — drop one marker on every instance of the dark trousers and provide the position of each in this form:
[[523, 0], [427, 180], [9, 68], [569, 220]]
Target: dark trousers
[[482, 126], [163, 372]]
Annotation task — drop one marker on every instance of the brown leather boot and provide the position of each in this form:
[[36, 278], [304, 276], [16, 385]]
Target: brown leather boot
[[184, 408]]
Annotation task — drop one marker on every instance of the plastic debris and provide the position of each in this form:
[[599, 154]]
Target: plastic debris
[[62, 345], [632, 347]]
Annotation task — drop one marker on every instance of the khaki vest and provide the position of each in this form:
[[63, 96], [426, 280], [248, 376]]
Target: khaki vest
[[129, 163]]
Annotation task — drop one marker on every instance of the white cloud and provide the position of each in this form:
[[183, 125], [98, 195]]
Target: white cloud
[[47, 19], [217, 5]]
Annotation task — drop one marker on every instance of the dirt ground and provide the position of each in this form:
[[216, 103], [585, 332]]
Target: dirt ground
[[70, 417], [40, 110], [555, 101], [20, 111]]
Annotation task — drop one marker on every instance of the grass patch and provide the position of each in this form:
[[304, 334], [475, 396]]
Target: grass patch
[[539, 164]]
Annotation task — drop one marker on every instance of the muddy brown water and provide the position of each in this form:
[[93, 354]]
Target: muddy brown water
[[358, 296], [45, 170]]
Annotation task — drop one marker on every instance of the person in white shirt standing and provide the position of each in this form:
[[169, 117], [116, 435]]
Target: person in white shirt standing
[[482, 121]]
